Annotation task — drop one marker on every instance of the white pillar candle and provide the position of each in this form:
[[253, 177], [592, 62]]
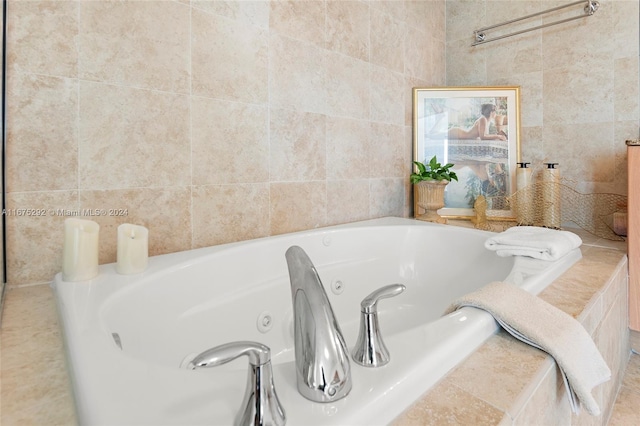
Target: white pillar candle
[[80, 251], [133, 249]]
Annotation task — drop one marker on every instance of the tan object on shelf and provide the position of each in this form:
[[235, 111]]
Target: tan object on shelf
[[429, 199], [620, 220], [551, 197], [480, 210]]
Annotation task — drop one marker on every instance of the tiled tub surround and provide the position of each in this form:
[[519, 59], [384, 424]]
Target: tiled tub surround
[[213, 121], [507, 382], [503, 381], [325, 87]]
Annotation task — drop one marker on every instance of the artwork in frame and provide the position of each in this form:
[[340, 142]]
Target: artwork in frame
[[478, 130]]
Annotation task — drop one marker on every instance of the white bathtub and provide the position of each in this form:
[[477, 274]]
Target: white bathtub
[[127, 337]]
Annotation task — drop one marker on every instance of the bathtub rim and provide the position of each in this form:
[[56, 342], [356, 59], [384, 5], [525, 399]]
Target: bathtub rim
[[178, 261]]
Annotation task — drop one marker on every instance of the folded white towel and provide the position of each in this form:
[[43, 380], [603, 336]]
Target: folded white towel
[[533, 241], [541, 325]]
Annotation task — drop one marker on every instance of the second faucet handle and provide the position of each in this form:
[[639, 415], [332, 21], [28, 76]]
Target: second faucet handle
[[370, 350], [369, 304], [260, 406]]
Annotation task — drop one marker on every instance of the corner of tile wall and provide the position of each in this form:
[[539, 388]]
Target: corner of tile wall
[[303, 108]]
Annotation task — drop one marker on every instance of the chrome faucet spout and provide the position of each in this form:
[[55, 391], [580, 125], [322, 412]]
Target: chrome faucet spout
[[322, 358]]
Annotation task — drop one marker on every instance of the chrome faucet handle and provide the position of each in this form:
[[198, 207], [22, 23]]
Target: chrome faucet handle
[[369, 304], [370, 350], [260, 405]]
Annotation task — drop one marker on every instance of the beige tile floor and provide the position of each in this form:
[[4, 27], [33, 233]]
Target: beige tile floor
[[626, 411]]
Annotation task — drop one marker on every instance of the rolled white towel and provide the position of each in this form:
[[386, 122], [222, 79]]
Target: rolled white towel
[[533, 241]]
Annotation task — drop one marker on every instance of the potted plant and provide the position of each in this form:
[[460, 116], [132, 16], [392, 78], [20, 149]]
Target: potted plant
[[429, 182]]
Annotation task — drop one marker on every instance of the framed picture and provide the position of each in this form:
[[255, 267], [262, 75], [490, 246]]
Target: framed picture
[[478, 130]]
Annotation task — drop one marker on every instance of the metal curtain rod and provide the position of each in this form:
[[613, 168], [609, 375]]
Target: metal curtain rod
[[589, 9]]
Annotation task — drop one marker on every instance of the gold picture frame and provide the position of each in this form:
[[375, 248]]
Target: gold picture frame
[[478, 130]]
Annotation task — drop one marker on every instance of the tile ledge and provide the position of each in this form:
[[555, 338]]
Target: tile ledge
[[525, 395], [520, 402]]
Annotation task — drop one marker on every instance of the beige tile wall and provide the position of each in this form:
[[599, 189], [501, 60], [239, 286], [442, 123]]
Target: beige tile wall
[[210, 121], [580, 85]]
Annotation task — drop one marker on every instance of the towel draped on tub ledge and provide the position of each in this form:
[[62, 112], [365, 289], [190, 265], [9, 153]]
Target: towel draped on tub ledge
[[541, 325], [533, 241]]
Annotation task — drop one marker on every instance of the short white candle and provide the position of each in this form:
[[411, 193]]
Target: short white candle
[[133, 249], [80, 251]]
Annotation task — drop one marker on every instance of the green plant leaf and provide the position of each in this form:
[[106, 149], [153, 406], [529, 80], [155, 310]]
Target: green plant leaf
[[433, 171], [433, 164]]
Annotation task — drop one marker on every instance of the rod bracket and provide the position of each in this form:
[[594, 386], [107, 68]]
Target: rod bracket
[[591, 7]]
